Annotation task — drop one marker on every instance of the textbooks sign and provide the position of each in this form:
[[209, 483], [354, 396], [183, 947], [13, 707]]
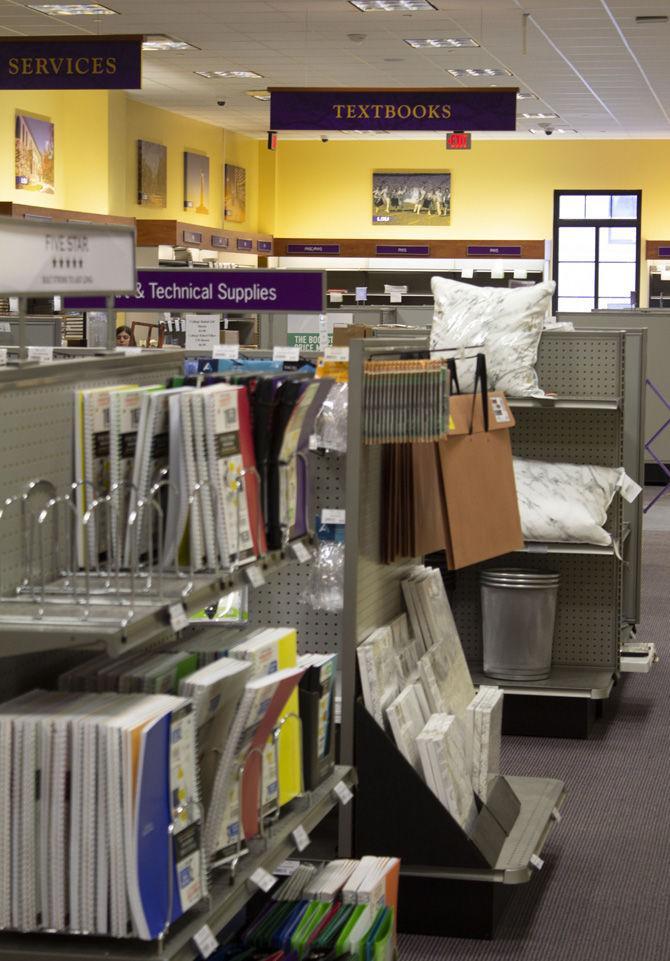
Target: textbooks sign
[[358, 109], [278, 291], [71, 63]]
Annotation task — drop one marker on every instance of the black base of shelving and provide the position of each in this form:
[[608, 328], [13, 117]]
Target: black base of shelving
[[445, 907], [535, 716], [653, 474]]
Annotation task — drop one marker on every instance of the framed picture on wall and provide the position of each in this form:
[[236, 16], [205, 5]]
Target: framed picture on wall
[[411, 198], [34, 154], [151, 174], [235, 194], [196, 182]]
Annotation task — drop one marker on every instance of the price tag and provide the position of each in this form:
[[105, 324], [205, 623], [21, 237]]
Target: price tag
[[287, 868], [343, 793], [129, 351], [3, 356], [301, 838], [537, 548], [205, 941], [255, 576], [537, 862], [557, 816], [329, 516], [286, 353], [226, 352], [5, 327], [178, 618], [313, 442], [301, 552], [262, 880], [41, 354], [336, 353]]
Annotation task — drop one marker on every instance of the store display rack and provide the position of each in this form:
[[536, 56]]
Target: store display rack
[[227, 896]]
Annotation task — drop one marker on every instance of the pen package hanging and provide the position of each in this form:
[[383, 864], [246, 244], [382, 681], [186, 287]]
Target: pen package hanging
[[405, 401]]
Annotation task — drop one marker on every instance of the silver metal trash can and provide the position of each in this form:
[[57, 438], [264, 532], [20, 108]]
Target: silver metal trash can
[[518, 616]]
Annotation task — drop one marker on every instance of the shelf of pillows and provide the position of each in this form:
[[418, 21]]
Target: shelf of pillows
[[556, 547], [566, 403]]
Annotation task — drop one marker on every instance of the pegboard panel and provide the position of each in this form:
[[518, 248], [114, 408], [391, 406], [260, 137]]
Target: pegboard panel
[[282, 601], [569, 436], [581, 363], [587, 615], [36, 431]]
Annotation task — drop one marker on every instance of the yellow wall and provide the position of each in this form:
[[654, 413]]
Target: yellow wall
[[500, 189], [267, 193], [80, 147]]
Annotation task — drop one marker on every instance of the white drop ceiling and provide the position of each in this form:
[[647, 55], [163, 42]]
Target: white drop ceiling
[[587, 61]]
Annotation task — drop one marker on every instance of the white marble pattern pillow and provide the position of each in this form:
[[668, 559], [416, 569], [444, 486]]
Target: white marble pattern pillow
[[506, 323], [568, 503]]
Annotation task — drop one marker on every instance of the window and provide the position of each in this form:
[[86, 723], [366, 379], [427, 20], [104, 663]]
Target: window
[[596, 249]]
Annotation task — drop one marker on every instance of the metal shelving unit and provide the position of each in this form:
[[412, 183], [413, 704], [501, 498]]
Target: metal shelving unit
[[226, 899]]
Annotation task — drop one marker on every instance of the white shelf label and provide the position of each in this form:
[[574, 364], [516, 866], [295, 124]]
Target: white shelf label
[[255, 576], [536, 861], [286, 353], [313, 442], [226, 352], [3, 356], [129, 351], [205, 941], [41, 354], [286, 869], [336, 353], [343, 793], [301, 838], [262, 880], [178, 618], [5, 327], [329, 516], [557, 816], [301, 552]]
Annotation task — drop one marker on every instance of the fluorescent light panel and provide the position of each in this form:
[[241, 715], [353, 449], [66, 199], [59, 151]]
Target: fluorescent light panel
[[72, 9], [258, 94], [524, 95], [553, 130], [479, 72], [392, 6], [540, 116], [228, 74], [446, 42], [160, 41]]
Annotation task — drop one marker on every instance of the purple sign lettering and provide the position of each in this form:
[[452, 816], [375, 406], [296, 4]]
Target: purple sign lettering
[[393, 250], [664, 251], [312, 248], [484, 251], [243, 244], [71, 63], [219, 241], [192, 237], [270, 291], [264, 246], [359, 109]]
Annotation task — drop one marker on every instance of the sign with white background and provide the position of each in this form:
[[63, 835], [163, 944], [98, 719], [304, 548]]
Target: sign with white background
[[307, 331], [202, 331]]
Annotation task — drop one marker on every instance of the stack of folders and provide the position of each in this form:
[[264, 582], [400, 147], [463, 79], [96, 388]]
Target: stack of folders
[[344, 910], [317, 712], [145, 673], [102, 831]]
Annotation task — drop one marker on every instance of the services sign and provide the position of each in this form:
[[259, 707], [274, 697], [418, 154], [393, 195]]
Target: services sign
[[489, 108], [65, 258], [248, 291], [71, 63]]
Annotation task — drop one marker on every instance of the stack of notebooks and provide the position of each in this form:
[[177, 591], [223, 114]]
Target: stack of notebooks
[[102, 830], [346, 909], [208, 471]]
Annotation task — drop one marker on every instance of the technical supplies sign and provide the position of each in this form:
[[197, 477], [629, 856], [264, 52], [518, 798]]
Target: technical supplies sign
[[71, 63], [386, 109], [65, 258], [269, 291]]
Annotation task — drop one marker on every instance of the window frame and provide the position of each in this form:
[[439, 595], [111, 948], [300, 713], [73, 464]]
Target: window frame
[[597, 223]]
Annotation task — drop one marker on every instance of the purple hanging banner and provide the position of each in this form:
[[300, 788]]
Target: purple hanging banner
[[71, 63], [270, 291], [479, 250], [387, 109]]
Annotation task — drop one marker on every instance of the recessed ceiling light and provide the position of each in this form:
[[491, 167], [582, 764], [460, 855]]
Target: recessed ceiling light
[[652, 18], [229, 74], [524, 95], [392, 6], [553, 130], [258, 94], [540, 116], [160, 41], [72, 9], [446, 42], [479, 72]]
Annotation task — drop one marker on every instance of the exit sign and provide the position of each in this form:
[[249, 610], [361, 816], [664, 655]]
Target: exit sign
[[459, 141]]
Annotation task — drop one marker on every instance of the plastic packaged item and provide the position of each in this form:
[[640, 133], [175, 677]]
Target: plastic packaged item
[[325, 591], [331, 421]]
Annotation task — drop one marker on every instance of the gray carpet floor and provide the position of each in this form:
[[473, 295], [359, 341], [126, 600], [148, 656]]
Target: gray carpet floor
[[604, 891]]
